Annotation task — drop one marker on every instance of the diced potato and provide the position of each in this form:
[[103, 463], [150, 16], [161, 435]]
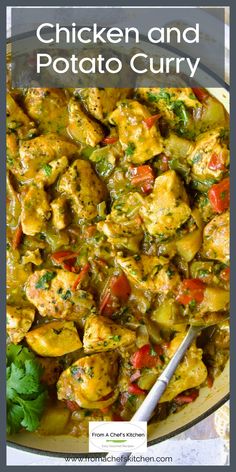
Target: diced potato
[[190, 373], [81, 127], [150, 273], [167, 314], [48, 107], [99, 102], [18, 121], [102, 334], [139, 142], [166, 208], [189, 245], [54, 339], [35, 210], [37, 152], [19, 321], [51, 171], [215, 299], [60, 213], [216, 238], [89, 380], [50, 291], [84, 189], [208, 144], [54, 421]]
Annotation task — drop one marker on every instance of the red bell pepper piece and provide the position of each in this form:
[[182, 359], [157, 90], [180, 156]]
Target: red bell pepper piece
[[182, 398], [17, 237], [219, 195], [191, 290], [134, 389], [216, 162], [151, 120], [110, 140], [146, 356], [81, 276], [200, 93]]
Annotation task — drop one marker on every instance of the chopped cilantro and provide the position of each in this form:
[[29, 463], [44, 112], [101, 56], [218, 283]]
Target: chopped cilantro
[[43, 282], [47, 169], [130, 149]]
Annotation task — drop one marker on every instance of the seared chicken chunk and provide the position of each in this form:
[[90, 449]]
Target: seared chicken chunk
[[54, 339], [38, 152], [166, 208], [19, 321], [51, 171], [83, 188], [102, 334], [35, 210], [190, 373], [81, 127], [139, 141], [48, 107], [90, 381], [209, 158], [18, 121], [60, 213], [100, 102], [150, 273], [216, 238], [51, 292]]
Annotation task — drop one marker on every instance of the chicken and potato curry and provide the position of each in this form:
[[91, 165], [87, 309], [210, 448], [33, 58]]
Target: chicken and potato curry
[[118, 240]]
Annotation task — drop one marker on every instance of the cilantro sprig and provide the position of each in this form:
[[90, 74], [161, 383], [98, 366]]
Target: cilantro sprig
[[26, 396]]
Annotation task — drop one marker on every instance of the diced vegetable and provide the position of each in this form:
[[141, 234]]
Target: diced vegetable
[[167, 314], [219, 195], [182, 398], [151, 120], [147, 379], [133, 389], [142, 177], [216, 162], [189, 245], [200, 93], [146, 356], [225, 274], [191, 290], [215, 299], [110, 140], [54, 421]]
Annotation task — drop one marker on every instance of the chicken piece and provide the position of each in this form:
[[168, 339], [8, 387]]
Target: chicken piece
[[18, 121], [49, 108], [150, 273], [84, 189], [190, 373], [161, 98], [139, 141], [51, 293], [81, 127], [210, 157], [12, 148], [90, 381], [100, 102], [166, 208], [54, 339], [51, 171], [19, 321], [37, 152], [60, 213], [216, 238], [102, 334], [35, 210]]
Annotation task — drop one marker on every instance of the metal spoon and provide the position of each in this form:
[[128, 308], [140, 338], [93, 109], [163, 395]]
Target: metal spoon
[[145, 411]]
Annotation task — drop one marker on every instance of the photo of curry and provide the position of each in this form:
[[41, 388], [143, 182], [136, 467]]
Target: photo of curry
[[117, 241]]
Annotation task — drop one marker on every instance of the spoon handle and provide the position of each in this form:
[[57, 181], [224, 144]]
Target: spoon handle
[[145, 411]]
